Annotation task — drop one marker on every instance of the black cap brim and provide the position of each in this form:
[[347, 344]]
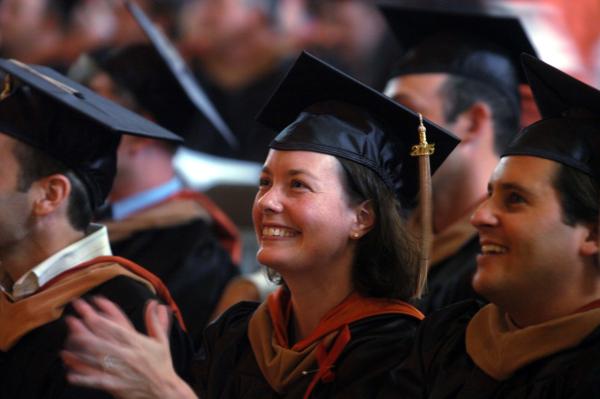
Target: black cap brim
[[85, 102], [70, 123], [556, 92]]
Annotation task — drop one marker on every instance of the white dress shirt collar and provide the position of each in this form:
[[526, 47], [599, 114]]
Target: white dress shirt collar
[[94, 244]]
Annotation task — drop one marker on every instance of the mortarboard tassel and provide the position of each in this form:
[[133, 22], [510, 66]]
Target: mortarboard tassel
[[6, 88], [423, 150]]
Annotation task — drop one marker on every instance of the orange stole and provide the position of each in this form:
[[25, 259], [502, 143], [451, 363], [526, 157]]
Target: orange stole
[[281, 364], [48, 303], [355, 307]]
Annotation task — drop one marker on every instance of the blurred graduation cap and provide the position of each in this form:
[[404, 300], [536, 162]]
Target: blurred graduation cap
[[70, 123], [319, 108], [569, 131], [469, 41], [180, 72], [147, 85]]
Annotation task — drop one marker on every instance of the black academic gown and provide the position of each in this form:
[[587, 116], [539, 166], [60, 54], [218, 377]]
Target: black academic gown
[[188, 258], [32, 368], [226, 368], [449, 281], [440, 368]]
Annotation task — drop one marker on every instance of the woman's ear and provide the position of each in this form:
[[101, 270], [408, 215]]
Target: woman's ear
[[50, 193], [365, 219]]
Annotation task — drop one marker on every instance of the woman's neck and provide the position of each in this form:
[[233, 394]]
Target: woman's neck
[[311, 301]]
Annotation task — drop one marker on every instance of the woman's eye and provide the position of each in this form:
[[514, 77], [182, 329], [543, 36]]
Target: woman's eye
[[514, 198], [298, 184]]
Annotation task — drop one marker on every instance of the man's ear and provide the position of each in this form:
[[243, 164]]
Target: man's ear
[[590, 246], [474, 121], [50, 193], [365, 219]]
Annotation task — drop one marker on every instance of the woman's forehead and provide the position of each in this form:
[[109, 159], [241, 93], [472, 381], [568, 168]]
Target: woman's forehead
[[304, 161]]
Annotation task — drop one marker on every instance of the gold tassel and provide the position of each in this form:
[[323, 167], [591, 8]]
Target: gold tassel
[[6, 89], [423, 150]]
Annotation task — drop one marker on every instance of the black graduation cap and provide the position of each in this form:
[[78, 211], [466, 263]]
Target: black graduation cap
[[69, 122], [471, 42], [183, 77], [319, 108], [569, 131], [141, 72]]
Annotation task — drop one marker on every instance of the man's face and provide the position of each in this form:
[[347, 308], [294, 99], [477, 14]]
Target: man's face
[[527, 251], [15, 206], [105, 86], [421, 93]]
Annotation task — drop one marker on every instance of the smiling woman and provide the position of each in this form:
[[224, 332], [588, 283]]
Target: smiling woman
[[327, 216]]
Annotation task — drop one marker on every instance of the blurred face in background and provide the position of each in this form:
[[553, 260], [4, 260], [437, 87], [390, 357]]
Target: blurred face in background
[[20, 21], [350, 28], [233, 40], [222, 28]]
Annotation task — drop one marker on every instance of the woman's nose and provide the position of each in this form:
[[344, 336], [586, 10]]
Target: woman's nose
[[270, 201]]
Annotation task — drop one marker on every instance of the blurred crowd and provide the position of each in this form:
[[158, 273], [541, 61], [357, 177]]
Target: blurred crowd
[[83, 177], [240, 49]]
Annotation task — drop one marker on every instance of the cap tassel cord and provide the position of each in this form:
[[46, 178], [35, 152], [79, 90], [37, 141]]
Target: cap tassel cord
[[423, 150], [48, 79], [7, 87]]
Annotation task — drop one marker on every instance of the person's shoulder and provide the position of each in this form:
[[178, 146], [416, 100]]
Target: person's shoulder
[[458, 312], [225, 342], [384, 324], [122, 289], [585, 367], [236, 317], [131, 295], [571, 373], [449, 281], [447, 322], [575, 369]]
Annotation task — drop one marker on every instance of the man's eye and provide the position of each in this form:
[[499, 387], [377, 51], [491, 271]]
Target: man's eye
[[263, 181]]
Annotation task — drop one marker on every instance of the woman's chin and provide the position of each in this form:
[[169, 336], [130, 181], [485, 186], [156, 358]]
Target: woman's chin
[[269, 259], [278, 262]]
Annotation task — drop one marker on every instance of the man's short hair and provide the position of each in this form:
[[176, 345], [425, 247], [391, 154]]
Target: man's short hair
[[578, 194], [461, 93], [35, 164]]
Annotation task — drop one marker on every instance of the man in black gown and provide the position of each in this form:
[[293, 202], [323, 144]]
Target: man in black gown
[[175, 232], [461, 70], [538, 229], [58, 144]]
